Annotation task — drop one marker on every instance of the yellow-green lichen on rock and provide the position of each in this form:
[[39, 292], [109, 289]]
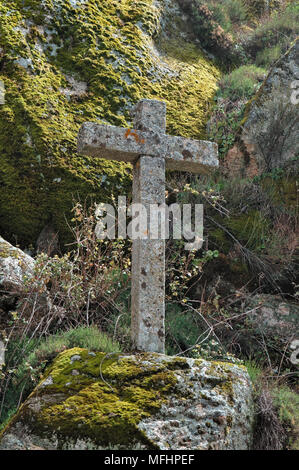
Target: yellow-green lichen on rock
[[64, 62], [133, 401]]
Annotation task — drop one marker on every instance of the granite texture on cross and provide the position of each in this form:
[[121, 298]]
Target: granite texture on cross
[[114, 143], [150, 151]]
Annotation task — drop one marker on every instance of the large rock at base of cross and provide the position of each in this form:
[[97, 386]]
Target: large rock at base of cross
[[90, 400]]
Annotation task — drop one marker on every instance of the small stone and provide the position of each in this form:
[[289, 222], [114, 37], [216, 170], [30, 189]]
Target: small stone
[[48, 381], [220, 420], [174, 423], [74, 358]]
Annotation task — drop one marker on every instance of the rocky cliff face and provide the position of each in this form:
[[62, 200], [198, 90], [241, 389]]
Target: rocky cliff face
[[268, 138], [66, 62]]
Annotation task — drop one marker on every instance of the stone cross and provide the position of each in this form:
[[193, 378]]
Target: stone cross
[[150, 150]]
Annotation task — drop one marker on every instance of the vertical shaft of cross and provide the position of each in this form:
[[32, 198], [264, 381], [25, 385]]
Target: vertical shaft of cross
[[148, 256]]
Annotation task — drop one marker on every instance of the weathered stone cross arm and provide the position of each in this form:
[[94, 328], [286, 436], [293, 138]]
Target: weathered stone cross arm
[[115, 143]]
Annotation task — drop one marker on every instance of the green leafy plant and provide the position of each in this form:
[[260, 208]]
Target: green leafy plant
[[229, 13], [224, 123], [265, 57], [276, 409], [235, 89]]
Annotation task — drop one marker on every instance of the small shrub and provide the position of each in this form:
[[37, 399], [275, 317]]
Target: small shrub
[[183, 267], [212, 350], [242, 83], [266, 57], [237, 11], [79, 288], [287, 403], [234, 90], [274, 131], [225, 122], [258, 8], [277, 414]]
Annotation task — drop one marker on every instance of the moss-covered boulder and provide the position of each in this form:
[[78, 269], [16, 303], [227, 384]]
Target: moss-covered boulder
[[150, 401], [64, 62]]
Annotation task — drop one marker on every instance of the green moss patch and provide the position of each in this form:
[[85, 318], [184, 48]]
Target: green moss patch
[[63, 64]]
